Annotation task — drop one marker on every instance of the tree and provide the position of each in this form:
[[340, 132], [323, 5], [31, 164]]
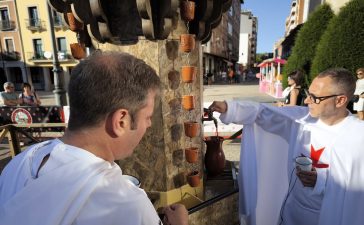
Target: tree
[[342, 44], [306, 41]]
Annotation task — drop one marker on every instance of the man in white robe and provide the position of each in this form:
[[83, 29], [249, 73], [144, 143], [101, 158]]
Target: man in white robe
[[74, 180], [273, 190]]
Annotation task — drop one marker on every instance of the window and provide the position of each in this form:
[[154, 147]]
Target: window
[[33, 16], [38, 48], [61, 44], [9, 45], [4, 14]]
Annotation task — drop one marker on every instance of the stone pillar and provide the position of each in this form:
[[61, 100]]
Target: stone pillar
[[47, 81], [159, 160]]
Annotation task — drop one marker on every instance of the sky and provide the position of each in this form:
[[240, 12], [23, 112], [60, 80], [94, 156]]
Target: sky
[[271, 15]]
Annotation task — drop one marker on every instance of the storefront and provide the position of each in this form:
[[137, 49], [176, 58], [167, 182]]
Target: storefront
[[270, 77]]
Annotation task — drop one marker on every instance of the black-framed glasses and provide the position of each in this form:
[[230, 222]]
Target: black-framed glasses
[[316, 99]]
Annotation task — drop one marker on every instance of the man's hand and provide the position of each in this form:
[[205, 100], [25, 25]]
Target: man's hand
[[308, 178], [175, 214], [218, 106]]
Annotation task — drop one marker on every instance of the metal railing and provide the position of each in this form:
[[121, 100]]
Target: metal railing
[[34, 24], [10, 56], [7, 25], [13, 132], [36, 56]]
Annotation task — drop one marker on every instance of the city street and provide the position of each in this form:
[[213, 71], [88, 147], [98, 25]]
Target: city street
[[242, 91]]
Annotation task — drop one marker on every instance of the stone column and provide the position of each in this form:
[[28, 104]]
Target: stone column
[[159, 160], [47, 80]]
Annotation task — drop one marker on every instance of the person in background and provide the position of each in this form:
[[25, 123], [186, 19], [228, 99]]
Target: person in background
[[74, 179], [28, 97], [8, 96], [359, 92], [273, 189], [294, 94]]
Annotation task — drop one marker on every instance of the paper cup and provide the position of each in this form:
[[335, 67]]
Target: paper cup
[[304, 163], [132, 180]]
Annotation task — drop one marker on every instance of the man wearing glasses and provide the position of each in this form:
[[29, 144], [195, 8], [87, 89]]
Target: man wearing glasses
[[8, 96], [273, 189]]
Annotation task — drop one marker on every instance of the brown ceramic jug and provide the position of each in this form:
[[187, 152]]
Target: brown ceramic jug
[[214, 157]]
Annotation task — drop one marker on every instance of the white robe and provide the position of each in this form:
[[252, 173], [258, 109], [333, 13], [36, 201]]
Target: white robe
[[272, 138], [73, 187]]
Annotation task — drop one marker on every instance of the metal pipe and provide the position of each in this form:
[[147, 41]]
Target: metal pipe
[[59, 92]]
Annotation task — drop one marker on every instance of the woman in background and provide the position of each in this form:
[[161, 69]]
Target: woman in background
[[359, 91], [296, 94], [28, 97]]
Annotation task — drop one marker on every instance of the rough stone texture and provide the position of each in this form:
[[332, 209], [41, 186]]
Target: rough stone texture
[[224, 212], [158, 160]]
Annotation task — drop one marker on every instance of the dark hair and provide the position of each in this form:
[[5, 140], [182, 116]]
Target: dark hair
[[105, 82], [360, 70], [342, 78], [298, 77], [24, 85]]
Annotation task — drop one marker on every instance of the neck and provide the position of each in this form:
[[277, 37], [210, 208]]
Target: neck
[[92, 141], [337, 118]]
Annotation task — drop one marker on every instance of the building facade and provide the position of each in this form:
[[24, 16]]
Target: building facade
[[248, 39], [37, 43], [12, 66], [222, 51]]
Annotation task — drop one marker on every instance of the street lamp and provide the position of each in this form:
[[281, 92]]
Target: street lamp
[[59, 92]]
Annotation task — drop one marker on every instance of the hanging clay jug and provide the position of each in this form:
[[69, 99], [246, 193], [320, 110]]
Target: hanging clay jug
[[187, 10], [214, 157], [188, 73], [191, 154], [73, 23], [187, 42], [192, 129], [193, 178], [77, 51], [188, 102]]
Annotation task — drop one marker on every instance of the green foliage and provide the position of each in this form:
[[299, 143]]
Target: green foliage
[[342, 44], [306, 41]]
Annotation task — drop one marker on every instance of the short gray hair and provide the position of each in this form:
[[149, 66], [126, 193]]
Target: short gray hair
[[7, 84], [342, 78]]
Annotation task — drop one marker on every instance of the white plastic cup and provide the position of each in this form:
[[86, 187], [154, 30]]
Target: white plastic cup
[[304, 163], [132, 180]]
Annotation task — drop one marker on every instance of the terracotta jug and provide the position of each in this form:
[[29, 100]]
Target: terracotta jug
[[214, 157], [77, 51], [73, 23], [188, 102], [193, 178], [187, 43], [192, 129], [187, 10], [191, 154], [188, 73]]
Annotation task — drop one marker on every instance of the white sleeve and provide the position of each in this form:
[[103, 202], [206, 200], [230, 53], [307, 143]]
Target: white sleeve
[[276, 120], [240, 112]]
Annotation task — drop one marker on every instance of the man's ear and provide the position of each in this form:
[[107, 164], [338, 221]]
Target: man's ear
[[341, 101], [120, 121]]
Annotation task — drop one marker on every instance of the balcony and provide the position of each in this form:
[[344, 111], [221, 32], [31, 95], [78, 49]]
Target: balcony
[[35, 24], [47, 57], [10, 56], [7, 25], [58, 22]]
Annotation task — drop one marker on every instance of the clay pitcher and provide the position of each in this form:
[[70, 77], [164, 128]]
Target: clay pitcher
[[214, 157]]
